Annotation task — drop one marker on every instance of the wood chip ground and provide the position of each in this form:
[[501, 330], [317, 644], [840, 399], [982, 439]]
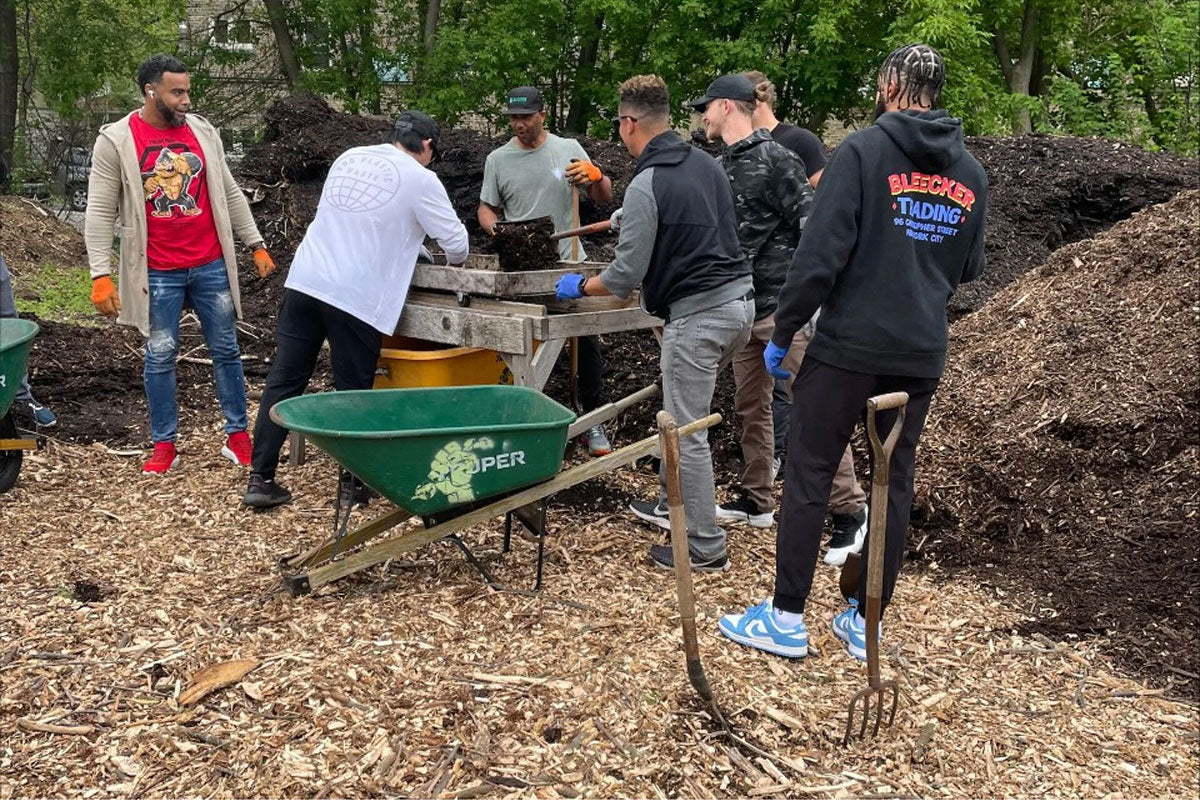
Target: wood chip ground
[[416, 679]]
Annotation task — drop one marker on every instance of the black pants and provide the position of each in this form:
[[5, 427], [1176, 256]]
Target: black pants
[[591, 374], [304, 324], [827, 402]]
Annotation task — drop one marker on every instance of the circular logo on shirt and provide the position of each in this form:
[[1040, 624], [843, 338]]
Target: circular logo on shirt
[[361, 182]]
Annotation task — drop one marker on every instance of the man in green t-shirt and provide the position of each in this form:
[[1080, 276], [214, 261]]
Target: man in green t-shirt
[[534, 175]]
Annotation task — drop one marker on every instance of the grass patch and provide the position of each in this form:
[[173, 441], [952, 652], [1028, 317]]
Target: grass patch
[[56, 292]]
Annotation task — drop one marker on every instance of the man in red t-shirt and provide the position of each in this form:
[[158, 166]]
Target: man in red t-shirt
[[177, 226]]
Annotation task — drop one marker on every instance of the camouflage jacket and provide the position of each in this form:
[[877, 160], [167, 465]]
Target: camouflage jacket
[[772, 197]]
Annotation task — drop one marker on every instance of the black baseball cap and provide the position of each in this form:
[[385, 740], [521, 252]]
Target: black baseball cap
[[523, 100], [726, 87], [420, 124]]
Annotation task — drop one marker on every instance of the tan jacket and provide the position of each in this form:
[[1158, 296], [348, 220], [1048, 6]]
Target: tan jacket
[[115, 193]]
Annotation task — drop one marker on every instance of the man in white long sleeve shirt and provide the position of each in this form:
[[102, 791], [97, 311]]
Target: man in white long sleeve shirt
[[350, 277]]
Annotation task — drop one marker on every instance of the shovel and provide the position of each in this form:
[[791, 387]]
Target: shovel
[[668, 438], [877, 690]]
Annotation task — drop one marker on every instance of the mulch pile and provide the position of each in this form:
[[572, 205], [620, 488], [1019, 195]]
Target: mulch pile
[[1062, 453], [1047, 191], [30, 235]]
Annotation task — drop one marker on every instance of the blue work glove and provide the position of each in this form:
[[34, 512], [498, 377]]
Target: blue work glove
[[570, 286], [773, 358]]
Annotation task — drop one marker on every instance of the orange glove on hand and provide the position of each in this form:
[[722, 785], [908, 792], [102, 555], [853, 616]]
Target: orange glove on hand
[[263, 263], [583, 173], [104, 296]]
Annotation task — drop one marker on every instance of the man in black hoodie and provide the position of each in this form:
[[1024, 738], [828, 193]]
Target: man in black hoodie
[[678, 239], [897, 226]]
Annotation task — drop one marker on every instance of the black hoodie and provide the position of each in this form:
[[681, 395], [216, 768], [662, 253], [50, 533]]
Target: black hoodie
[[678, 235], [895, 228]]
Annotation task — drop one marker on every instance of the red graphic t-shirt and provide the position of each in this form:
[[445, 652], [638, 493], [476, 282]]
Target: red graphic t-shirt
[[180, 233]]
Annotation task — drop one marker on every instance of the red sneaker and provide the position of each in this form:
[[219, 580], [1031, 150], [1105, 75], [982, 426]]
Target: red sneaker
[[238, 448], [161, 460]]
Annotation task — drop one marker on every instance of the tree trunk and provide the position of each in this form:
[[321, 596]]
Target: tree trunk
[[1018, 73], [432, 12], [589, 51], [283, 43], [9, 64]]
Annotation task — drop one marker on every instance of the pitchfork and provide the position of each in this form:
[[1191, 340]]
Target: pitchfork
[[877, 689]]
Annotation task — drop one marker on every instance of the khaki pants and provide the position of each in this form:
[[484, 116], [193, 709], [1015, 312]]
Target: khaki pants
[[753, 403]]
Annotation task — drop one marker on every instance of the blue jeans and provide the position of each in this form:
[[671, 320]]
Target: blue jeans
[[206, 289]]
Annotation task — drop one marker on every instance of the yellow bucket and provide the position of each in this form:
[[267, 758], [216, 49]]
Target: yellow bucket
[[410, 363]]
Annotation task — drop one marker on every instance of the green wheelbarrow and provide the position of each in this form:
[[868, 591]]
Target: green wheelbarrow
[[452, 456], [16, 337]]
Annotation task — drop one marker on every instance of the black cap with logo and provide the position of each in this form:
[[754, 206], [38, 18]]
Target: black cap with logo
[[420, 124], [726, 87], [523, 100]]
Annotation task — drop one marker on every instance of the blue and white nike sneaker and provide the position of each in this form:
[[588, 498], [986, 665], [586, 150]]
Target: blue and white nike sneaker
[[851, 628], [758, 628]]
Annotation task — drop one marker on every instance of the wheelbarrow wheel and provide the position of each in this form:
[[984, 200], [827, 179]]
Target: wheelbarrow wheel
[[10, 460]]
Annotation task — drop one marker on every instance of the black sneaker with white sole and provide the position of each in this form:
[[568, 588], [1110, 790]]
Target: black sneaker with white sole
[[743, 509], [652, 511], [664, 557], [849, 531]]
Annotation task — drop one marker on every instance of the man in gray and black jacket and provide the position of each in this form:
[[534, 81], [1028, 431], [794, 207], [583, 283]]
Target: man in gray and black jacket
[[678, 240]]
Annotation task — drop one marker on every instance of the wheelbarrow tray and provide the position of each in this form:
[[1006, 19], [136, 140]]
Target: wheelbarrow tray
[[16, 337], [430, 449]]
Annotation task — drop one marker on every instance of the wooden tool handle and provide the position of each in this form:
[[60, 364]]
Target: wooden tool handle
[[883, 402], [575, 222], [595, 227], [668, 433]]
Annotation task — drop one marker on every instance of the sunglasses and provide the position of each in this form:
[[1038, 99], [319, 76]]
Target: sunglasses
[[617, 119]]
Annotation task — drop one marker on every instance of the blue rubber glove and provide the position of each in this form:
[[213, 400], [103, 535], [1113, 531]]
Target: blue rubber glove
[[773, 358], [570, 286]]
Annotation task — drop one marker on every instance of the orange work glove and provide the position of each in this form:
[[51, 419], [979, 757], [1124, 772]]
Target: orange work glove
[[583, 173], [263, 263], [104, 296]]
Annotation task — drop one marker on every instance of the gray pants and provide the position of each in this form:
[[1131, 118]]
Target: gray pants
[[8, 309], [694, 349]]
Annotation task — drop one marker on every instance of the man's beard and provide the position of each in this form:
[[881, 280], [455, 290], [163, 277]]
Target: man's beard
[[175, 119], [880, 108]]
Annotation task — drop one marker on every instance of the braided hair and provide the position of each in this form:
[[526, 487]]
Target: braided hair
[[918, 71]]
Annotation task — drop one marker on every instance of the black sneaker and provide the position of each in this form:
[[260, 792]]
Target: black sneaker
[[849, 531], [743, 509], [262, 493], [652, 511], [662, 556]]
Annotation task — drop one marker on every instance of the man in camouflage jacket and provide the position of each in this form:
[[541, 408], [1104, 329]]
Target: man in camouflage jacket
[[772, 198]]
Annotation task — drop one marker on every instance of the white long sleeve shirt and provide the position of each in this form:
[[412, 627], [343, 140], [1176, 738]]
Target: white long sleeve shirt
[[376, 208]]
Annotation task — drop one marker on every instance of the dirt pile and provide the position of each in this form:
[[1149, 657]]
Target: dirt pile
[[31, 235], [1062, 453], [1047, 191]]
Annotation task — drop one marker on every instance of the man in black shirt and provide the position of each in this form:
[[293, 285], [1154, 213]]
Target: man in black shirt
[[800, 141]]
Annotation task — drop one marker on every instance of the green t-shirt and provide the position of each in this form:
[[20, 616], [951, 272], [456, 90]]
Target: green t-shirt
[[526, 184]]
